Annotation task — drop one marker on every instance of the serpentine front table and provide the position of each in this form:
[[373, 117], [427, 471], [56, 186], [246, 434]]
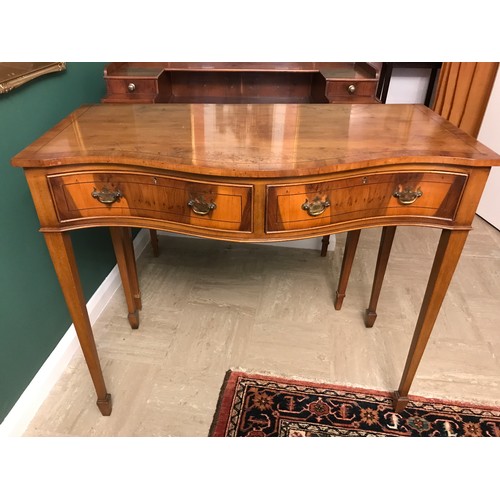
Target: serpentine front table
[[255, 172]]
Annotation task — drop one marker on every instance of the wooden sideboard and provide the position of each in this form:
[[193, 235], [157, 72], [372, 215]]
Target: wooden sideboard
[[253, 173], [251, 82]]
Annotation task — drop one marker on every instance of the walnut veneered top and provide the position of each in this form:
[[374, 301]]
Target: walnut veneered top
[[255, 140]]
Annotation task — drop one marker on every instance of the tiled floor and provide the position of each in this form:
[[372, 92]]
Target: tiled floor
[[212, 306]]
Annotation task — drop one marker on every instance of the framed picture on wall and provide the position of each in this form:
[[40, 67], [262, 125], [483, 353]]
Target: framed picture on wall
[[13, 75]]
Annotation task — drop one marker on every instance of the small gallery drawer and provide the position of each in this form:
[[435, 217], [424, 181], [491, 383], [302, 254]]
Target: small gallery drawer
[[350, 91], [408, 194], [119, 194], [132, 86]]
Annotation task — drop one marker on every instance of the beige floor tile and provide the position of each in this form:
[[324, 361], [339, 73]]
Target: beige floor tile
[[212, 306]]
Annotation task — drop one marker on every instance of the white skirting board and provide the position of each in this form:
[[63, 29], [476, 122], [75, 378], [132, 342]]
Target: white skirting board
[[18, 419]]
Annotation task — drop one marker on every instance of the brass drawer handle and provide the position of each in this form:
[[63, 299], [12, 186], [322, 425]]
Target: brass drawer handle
[[407, 196], [351, 89], [131, 87], [106, 196], [317, 207], [201, 207]]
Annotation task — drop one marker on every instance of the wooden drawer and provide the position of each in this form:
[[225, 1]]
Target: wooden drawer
[[351, 91], [132, 88], [100, 195], [305, 206]]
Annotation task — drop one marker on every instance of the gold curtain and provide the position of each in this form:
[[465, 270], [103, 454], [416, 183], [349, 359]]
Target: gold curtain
[[463, 91]]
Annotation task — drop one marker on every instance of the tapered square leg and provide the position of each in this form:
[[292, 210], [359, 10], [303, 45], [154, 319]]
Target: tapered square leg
[[61, 252], [105, 405], [125, 258], [325, 241], [382, 259], [154, 242], [399, 402], [349, 252], [448, 253]]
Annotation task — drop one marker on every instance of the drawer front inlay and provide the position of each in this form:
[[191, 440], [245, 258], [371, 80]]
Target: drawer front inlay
[[407, 194], [90, 195]]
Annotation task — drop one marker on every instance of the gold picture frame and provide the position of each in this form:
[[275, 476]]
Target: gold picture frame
[[15, 74]]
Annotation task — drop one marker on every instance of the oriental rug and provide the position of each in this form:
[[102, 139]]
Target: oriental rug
[[265, 406]]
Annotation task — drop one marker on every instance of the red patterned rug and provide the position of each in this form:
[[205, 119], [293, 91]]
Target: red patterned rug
[[257, 405]]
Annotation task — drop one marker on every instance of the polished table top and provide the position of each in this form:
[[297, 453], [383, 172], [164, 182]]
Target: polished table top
[[259, 140]]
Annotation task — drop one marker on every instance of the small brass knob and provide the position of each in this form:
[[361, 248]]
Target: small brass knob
[[131, 87], [351, 89]]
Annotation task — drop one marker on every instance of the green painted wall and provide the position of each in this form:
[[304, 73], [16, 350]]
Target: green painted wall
[[33, 315]]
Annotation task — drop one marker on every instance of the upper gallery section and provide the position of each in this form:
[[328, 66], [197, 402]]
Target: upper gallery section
[[254, 82]]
